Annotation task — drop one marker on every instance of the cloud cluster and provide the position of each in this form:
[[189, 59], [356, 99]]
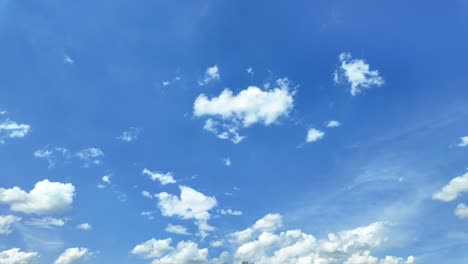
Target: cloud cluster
[[163, 178], [45, 198], [453, 189], [72, 255], [6, 222], [130, 135], [357, 73], [161, 252], [228, 112], [89, 156], [190, 205], [211, 74], [11, 129], [15, 256]]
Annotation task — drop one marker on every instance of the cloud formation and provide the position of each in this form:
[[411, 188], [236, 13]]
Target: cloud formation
[[357, 73], [463, 142], [211, 74], [160, 251], [130, 135], [177, 229], [228, 112], [453, 189], [73, 255], [15, 256], [46, 222], [10, 129], [461, 211], [163, 178], [6, 223], [45, 198], [314, 135]]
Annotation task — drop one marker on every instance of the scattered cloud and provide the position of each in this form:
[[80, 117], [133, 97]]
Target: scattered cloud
[[461, 211], [314, 135], [211, 74], [333, 123], [84, 226], [161, 252], [46, 222], [147, 194], [53, 154], [130, 135], [463, 142], [357, 73], [228, 112], [15, 256], [166, 83], [45, 198], [11, 129], [217, 243], [6, 223], [105, 181], [90, 156], [229, 212], [227, 162], [163, 178], [177, 229], [72, 255], [147, 214], [190, 205], [68, 60], [451, 191], [250, 71]]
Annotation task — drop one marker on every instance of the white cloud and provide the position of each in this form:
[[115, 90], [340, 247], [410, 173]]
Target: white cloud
[[314, 135], [227, 162], [84, 226], [190, 205], [357, 73], [333, 123], [46, 222], [45, 198], [163, 178], [228, 112], [72, 255], [106, 179], [366, 258], [153, 248], [211, 74], [161, 252], [249, 71], [15, 256], [68, 60], [11, 129], [90, 156], [147, 214], [451, 191], [105, 182], [461, 211], [53, 154], [269, 223], [230, 212], [463, 142], [176, 229], [166, 83], [217, 243], [6, 223], [147, 194], [130, 135]]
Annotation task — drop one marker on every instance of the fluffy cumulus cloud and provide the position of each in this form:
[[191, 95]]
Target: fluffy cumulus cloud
[[16, 256], [190, 205], [463, 142], [163, 178], [46, 222], [262, 243], [357, 73], [130, 135], [453, 189], [73, 255], [10, 129], [45, 198], [229, 112], [161, 252], [177, 229], [314, 135], [461, 211], [7, 222], [211, 74]]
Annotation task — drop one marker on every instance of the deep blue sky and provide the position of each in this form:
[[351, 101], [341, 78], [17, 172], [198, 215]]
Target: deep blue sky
[[396, 146]]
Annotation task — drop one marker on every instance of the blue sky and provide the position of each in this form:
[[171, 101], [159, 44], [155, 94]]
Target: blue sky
[[228, 131]]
